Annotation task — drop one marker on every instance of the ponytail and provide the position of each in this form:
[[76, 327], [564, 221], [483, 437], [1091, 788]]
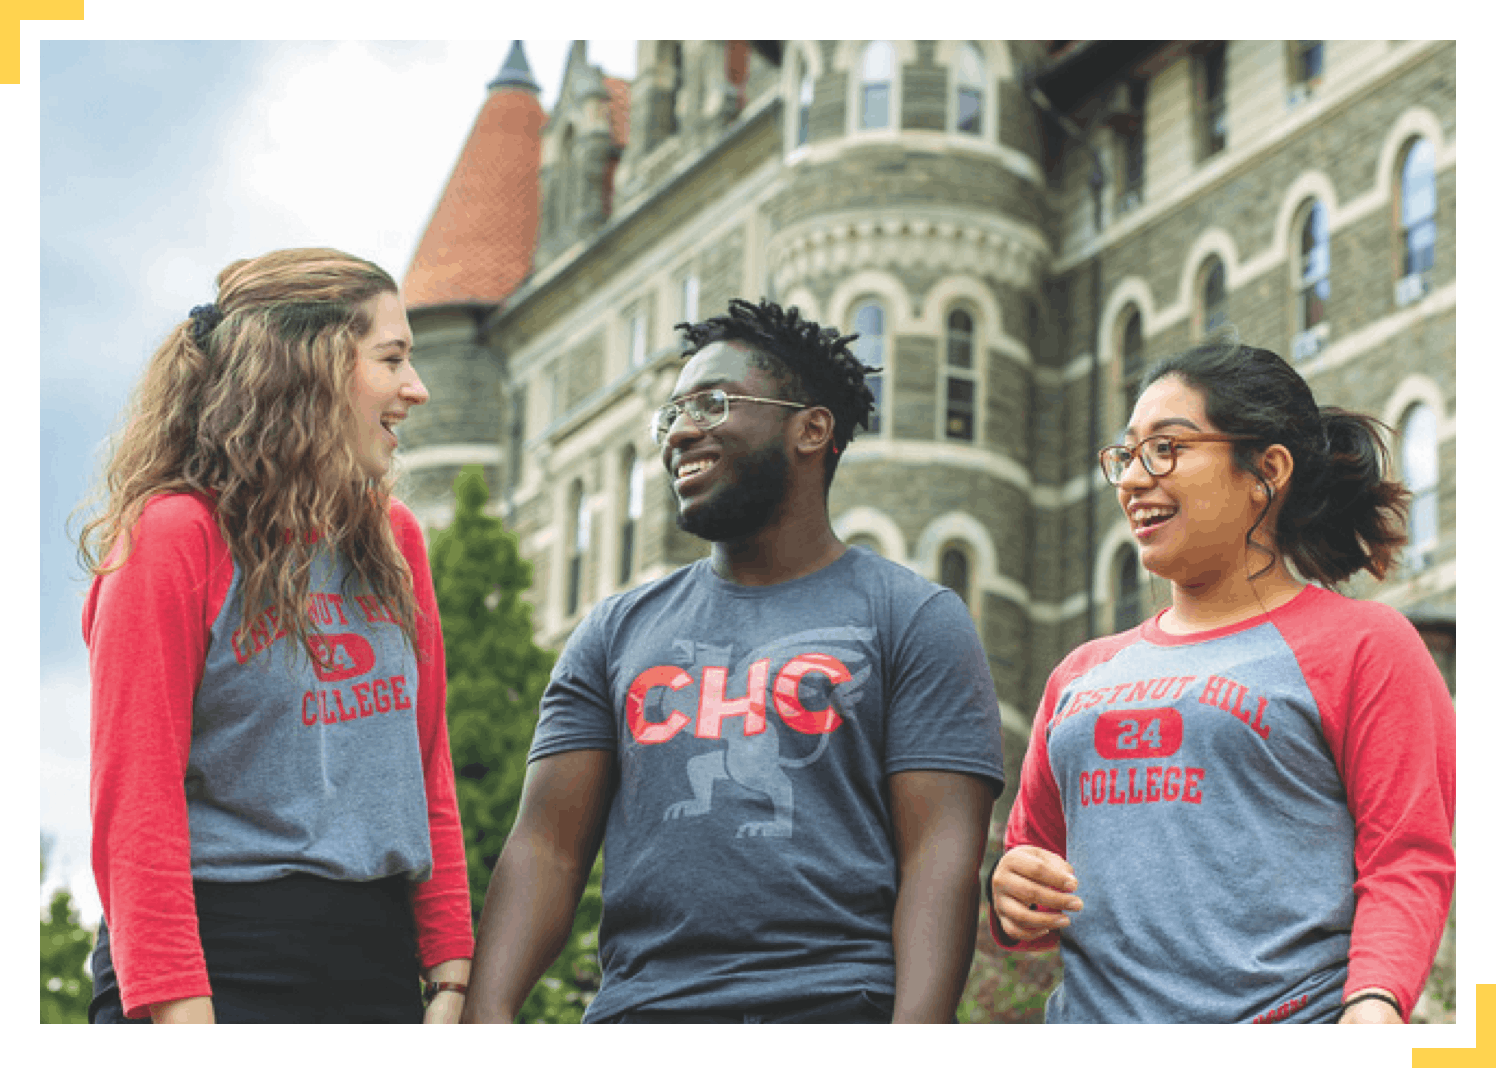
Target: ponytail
[[1343, 514]]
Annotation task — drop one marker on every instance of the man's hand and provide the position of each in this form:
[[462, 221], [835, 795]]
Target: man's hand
[[940, 821], [538, 880], [1033, 890]]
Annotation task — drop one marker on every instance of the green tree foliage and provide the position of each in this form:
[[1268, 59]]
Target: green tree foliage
[[66, 944], [495, 676]]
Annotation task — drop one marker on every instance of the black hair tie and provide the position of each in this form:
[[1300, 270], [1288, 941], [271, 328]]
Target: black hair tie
[[1372, 995], [204, 318]]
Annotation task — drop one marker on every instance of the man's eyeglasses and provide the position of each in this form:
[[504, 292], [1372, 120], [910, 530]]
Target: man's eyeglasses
[[706, 409], [1158, 453]]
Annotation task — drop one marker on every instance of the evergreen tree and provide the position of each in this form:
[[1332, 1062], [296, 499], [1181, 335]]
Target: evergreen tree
[[495, 676], [67, 987]]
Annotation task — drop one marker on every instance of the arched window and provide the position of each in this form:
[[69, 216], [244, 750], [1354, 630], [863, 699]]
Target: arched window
[[960, 378], [1420, 472], [1132, 359], [971, 80], [633, 510], [1419, 200], [1212, 314], [955, 573], [1314, 267], [1129, 604], [866, 541], [807, 96], [581, 537], [867, 324], [877, 84]]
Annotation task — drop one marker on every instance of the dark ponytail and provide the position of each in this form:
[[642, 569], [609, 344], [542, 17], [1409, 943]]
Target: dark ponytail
[[1343, 513]]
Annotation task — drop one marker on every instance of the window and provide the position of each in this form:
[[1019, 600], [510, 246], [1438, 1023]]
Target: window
[[690, 297], [1132, 359], [1306, 61], [638, 338], [1419, 199], [1420, 471], [633, 511], [971, 78], [516, 436], [581, 537], [1129, 603], [1212, 87], [866, 541], [1212, 314], [1129, 126], [555, 384], [867, 324], [960, 381], [877, 84], [1314, 267], [954, 573], [807, 96], [675, 61]]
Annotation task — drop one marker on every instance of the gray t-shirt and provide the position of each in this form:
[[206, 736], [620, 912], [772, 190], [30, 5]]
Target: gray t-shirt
[[749, 854]]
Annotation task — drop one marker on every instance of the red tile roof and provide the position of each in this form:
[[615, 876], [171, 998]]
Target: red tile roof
[[479, 242]]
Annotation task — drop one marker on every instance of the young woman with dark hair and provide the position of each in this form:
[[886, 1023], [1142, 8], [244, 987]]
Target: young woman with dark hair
[[275, 828], [1241, 810]]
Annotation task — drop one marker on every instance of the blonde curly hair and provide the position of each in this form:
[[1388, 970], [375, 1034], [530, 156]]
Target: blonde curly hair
[[251, 406]]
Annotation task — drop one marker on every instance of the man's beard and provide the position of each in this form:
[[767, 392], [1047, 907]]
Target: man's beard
[[742, 508]]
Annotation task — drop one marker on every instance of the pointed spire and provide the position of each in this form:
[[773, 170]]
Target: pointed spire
[[581, 78], [515, 73]]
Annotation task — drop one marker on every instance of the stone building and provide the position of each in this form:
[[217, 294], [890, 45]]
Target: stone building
[[1013, 227]]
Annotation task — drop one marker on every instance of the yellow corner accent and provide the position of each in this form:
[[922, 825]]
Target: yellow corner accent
[[1464, 1057], [14, 12]]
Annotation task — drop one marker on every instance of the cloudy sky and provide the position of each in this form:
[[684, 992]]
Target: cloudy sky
[[160, 163]]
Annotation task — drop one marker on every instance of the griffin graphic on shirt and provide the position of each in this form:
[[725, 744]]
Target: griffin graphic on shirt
[[813, 693]]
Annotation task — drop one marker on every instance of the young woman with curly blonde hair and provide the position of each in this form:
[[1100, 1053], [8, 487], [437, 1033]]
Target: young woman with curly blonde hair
[[275, 827]]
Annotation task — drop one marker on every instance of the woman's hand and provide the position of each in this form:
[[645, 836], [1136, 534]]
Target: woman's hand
[[1033, 889], [446, 1005], [183, 1011], [445, 1008], [1372, 1010]]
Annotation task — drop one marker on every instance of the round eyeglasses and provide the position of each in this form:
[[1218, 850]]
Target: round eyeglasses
[[1158, 453], [706, 409]]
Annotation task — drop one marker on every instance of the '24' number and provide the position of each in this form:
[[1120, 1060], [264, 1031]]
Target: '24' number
[[1129, 735]]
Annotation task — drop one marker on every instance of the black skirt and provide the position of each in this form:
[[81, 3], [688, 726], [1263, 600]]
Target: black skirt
[[299, 949]]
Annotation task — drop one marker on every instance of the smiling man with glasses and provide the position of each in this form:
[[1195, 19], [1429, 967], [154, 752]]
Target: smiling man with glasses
[[788, 751]]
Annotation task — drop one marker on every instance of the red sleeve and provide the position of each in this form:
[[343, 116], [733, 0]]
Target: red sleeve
[[444, 919], [1038, 814], [147, 626], [1389, 723]]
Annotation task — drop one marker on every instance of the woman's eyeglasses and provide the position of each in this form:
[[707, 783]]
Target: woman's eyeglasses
[[1158, 453], [706, 409]]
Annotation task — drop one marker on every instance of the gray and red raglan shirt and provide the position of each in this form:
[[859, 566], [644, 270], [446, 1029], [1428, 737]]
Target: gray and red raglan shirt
[[221, 753], [1259, 816]]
